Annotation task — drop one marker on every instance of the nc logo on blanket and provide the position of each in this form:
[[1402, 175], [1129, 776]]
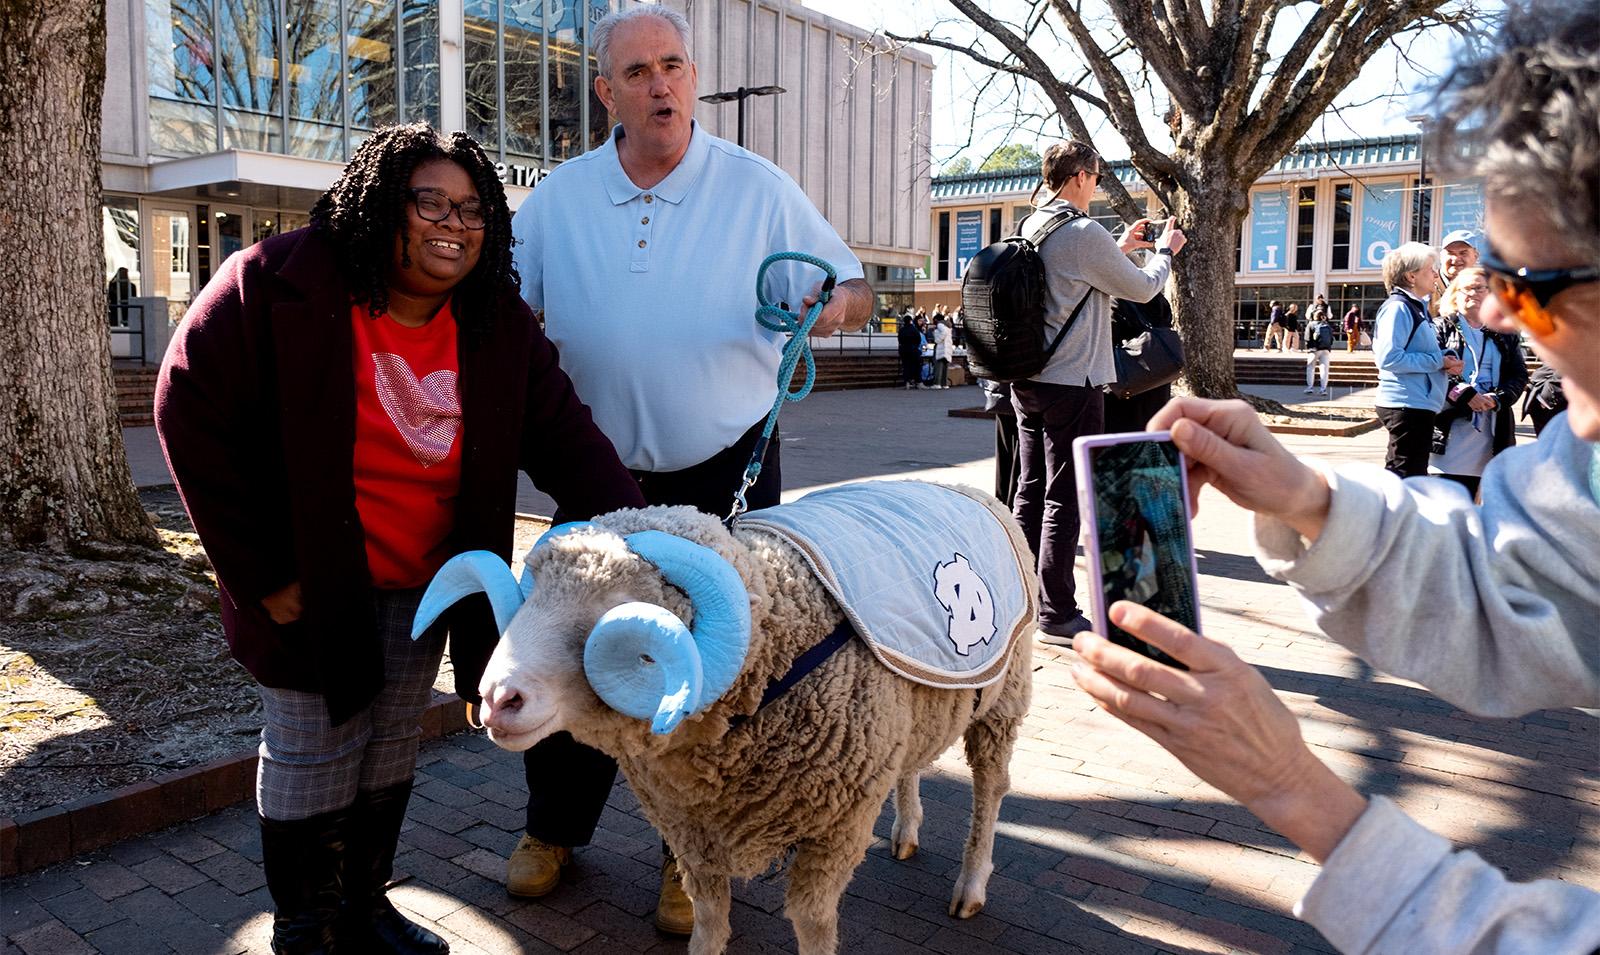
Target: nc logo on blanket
[[965, 597]]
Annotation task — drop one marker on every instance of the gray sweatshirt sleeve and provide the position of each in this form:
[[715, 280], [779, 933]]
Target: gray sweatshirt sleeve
[[1096, 258], [1392, 886], [1493, 608]]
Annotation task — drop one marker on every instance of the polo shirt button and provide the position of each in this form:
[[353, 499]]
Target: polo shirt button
[[649, 198], [645, 221], [641, 243]]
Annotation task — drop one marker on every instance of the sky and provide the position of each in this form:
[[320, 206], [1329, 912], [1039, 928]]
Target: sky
[[1391, 86]]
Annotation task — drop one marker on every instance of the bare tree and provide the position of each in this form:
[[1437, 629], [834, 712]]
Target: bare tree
[[1234, 110], [64, 478]]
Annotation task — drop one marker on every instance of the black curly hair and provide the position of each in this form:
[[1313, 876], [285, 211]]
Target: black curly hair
[[364, 209]]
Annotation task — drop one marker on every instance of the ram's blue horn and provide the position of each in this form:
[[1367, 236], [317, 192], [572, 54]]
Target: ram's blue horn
[[642, 661], [476, 571], [527, 574]]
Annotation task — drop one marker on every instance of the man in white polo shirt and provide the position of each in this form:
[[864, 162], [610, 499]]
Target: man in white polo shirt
[[643, 256]]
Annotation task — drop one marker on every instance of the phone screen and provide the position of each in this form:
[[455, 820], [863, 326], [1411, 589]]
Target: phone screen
[[1142, 525]]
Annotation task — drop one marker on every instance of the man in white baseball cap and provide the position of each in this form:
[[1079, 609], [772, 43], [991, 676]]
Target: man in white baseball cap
[[1458, 251]]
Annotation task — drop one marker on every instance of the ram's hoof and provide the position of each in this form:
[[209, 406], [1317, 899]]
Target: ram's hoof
[[966, 909], [904, 850]]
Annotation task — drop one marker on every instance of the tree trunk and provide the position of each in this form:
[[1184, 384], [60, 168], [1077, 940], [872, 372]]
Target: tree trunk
[[1202, 286], [64, 478]]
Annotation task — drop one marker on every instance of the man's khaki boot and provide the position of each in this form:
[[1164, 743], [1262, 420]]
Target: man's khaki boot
[[535, 868], [674, 910]]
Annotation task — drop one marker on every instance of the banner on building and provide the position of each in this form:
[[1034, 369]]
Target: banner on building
[[1382, 220], [969, 238], [1461, 207], [1269, 230]]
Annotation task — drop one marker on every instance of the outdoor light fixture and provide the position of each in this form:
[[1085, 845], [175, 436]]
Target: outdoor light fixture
[[740, 95], [1418, 213]]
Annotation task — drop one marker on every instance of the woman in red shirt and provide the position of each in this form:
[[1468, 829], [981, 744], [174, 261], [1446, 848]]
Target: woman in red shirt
[[343, 408]]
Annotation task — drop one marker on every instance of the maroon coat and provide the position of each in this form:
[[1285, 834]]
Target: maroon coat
[[256, 409]]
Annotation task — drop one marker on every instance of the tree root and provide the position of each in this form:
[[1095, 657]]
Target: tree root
[[41, 585]]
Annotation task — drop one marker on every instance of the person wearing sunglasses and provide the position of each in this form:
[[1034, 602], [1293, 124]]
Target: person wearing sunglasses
[[344, 408], [1085, 268], [1509, 590]]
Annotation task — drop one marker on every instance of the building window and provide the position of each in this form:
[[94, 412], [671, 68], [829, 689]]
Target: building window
[[524, 81], [419, 21], [1342, 200], [944, 247], [1366, 296], [480, 22], [249, 42], [1104, 213], [994, 225], [1305, 228], [120, 228], [1422, 211], [316, 107], [1252, 306], [370, 63], [180, 60], [564, 76]]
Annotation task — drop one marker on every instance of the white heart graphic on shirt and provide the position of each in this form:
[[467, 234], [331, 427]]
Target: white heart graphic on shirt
[[427, 413]]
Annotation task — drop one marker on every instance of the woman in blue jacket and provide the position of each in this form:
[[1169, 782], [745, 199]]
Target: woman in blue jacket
[[1411, 365]]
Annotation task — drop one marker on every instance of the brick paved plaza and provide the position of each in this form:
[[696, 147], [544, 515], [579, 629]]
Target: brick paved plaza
[[1106, 844]]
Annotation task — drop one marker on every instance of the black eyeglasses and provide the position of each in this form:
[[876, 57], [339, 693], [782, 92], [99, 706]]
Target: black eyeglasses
[[1526, 293], [1095, 174], [435, 206]]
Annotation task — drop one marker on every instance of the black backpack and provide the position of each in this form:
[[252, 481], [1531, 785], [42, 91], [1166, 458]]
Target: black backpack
[[1002, 301]]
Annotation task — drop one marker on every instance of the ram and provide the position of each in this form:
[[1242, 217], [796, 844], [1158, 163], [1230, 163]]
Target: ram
[[736, 767]]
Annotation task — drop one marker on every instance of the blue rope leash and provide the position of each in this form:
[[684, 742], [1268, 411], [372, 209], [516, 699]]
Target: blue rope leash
[[778, 319]]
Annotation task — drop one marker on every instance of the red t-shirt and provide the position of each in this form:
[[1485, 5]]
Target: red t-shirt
[[408, 447]]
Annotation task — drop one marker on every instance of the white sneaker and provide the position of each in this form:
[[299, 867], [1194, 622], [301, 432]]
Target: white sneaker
[[1323, 391], [1308, 391]]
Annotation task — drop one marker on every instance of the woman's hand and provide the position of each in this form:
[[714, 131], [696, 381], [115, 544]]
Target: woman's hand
[[1223, 721], [283, 606], [1229, 448]]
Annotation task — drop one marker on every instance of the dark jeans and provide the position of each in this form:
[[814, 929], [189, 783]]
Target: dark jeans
[[941, 372], [910, 368], [1049, 417], [1468, 481], [1006, 460], [567, 781], [1133, 414], [1410, 440]]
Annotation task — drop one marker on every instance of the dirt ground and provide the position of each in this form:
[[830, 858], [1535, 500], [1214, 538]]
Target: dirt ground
[[112, 672]]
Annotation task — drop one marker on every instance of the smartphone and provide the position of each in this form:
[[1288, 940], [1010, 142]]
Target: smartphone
[[1133, 495], [1152, 232]]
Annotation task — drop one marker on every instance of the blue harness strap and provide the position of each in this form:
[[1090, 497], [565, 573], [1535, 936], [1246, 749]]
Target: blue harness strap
[[802, 666]]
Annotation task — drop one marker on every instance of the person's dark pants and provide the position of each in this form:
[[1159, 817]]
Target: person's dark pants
[[1410, 440], [1468, 481], [567, 781], [1049, 417], [1134, 414], [941, 372], [1006, 460], [910, 368]]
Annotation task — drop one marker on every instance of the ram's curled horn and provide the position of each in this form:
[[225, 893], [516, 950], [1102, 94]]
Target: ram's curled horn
[[527, 562], [649, 687], [476, 571], [643, 662]]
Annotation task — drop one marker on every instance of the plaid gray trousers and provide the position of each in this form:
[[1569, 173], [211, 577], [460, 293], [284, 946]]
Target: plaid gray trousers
[[308, 767]]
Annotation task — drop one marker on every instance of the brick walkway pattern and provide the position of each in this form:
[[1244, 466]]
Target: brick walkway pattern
[[1106, 843]]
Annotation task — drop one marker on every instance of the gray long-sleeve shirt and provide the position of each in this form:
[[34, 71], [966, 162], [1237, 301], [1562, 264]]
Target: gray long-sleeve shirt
[[1078, 257], [1495, 608]]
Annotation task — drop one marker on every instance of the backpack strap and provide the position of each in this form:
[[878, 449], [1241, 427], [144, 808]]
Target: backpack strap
[[1056, 221]]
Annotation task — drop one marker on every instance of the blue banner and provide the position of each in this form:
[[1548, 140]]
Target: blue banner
[[1461, 207], [1269, 230], [1382, 219], [969, 238]]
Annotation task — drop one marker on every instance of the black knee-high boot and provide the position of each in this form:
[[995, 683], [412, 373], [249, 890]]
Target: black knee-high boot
[[304, 862], [370, 922]]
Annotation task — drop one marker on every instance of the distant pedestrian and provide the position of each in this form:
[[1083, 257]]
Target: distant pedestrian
[[942, 352], [1476, 423], [1411, 365], [909, 342], [1319, 344], [1352, 328], [1274, 327], [1291, 328]]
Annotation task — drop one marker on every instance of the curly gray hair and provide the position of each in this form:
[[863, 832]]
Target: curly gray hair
[[601, 38], [1526, 117]]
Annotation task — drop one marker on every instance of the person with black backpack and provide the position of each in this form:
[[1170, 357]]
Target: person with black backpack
[[1084, 269], [1319, 347]]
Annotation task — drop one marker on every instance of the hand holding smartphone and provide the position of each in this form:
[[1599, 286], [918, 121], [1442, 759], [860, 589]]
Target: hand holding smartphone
[[1133, 493]]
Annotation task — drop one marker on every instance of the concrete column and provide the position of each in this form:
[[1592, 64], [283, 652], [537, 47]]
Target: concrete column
[[452, 67]]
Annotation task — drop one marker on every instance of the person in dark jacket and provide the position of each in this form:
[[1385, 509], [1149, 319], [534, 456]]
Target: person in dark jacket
[[1129, 319], [909, 339], [343, 408], [1478, 420]]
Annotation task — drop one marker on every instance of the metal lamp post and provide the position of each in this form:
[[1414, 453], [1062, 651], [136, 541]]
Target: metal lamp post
[[1421, 210], [741, 94]]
